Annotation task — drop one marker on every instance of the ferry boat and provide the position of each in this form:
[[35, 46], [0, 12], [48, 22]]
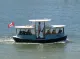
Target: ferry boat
[[40, 32]]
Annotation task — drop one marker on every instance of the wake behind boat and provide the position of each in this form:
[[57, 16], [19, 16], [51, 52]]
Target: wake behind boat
[[40, 32]]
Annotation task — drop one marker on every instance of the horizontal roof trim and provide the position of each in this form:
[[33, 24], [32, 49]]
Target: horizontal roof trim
[[40, 20], [58, 26], [24, 27]]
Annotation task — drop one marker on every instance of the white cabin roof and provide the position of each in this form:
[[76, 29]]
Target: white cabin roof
[[40, 20], [58, 26], [24, 27]]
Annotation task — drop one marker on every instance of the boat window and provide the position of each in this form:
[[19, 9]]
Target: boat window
[[26, 32], [53, 31], [60, 31], [48, 31], [57, 31]]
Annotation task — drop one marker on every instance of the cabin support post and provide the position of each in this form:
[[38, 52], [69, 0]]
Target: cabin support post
[[35, 28], [44, 30], [63, 30]]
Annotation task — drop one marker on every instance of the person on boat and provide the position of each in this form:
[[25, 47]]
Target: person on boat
[[20, 32], [48, 32], [43, 31], [39, 28], [28, 32], [60, 31], [54, 32]]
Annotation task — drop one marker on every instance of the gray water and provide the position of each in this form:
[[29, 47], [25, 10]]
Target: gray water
[[65, 12]]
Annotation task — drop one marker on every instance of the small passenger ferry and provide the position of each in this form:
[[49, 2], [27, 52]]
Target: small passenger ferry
[[40, 32]]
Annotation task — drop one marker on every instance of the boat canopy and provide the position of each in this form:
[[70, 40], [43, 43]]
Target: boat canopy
[[40, 20], [58, 26], [24, 27]]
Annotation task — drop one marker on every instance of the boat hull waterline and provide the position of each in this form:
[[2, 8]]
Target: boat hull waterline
[[40, 40]]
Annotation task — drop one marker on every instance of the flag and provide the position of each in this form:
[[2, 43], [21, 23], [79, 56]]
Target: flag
[[11, 24]]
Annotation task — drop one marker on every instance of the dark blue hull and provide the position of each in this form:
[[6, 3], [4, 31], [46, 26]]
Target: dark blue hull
[[40, 40]]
